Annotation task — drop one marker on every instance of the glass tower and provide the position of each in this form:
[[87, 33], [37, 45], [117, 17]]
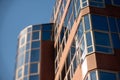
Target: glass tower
[[28, 59]]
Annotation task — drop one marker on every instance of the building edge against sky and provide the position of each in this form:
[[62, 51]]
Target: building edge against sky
[[82, 44], [35, 53]]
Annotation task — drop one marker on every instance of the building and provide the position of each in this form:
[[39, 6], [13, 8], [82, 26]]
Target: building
[[87, 39], [82, 44], [35, 53]]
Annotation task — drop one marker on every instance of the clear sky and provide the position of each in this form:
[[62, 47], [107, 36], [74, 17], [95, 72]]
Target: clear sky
[[14, 16]]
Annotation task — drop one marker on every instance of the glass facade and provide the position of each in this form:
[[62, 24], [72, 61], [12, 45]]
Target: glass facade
[[28, 56]]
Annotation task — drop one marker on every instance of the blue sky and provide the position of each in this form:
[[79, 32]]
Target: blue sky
[[14, 16]]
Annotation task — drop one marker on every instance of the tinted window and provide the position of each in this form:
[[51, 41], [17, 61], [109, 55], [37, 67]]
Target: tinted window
[[47, 27], [112, 24], [37, 27], [118, 23], [35, 55], [27, 57], [35, 35], [90, 49], [80, 31], [103, 49], [99, 22], [46, 35], [86, 22], [102, 39], [26, 70], [33, 68], [108, 2], [36, 44], [34, 77], [116, 40], [27, 46], [116, 2], [29, 29], [88, 38], [28, 37], [93, 75], [19, 73], [107, 76]]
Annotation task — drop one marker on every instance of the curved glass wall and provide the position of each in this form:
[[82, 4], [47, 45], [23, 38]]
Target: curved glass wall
[[28, 54]]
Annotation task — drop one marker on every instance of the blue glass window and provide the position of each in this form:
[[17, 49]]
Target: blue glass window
[[20, 60], [47, 27], [29, 29], [74, 64], [90, 49], [33, 68], [26, 78], [99, 22], [35, 55], [36, 44], [80, 31], [118, 23], [35, 35], [108, 2], [107, 76], [28, 37], [93, 75], [82, 46], [22, 40], [34, 77], [36, 27], [103, 49], [26, 70], [116, 2], [20, 73], [27, 46], [27, 57], [84, 3], [86, 22], [116, 40], [112, 24], [46, 35], [102, 39], [77, 6], [88, 38]]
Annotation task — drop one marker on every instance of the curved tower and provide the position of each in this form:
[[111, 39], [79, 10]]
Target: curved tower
[[29, 60]]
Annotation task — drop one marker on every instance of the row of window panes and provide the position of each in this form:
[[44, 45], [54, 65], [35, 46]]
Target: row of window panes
[[33, 56], [113, 2], [102, 75], [33, 68]]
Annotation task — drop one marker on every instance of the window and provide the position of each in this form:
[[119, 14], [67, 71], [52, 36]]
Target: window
[[103, 49], [27, 55], [47, 27], [26, 70], [80, 31], [22, 41], [118, 23], [20, 73], [36, 44], [112, 24], [107, 76], [116, 2], [86, 22], [36, 27], [29, 29], [102, 39], [99, 22], [116, 41], [20, 61], [35, 36], [26, 78], [97, 3], [34, 77], [46, 35], [84, 3], [33, 68], [35, 55], [28, 46], [28, 37], [82, 46], [93, 75], [88, 38], [108, 2]]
